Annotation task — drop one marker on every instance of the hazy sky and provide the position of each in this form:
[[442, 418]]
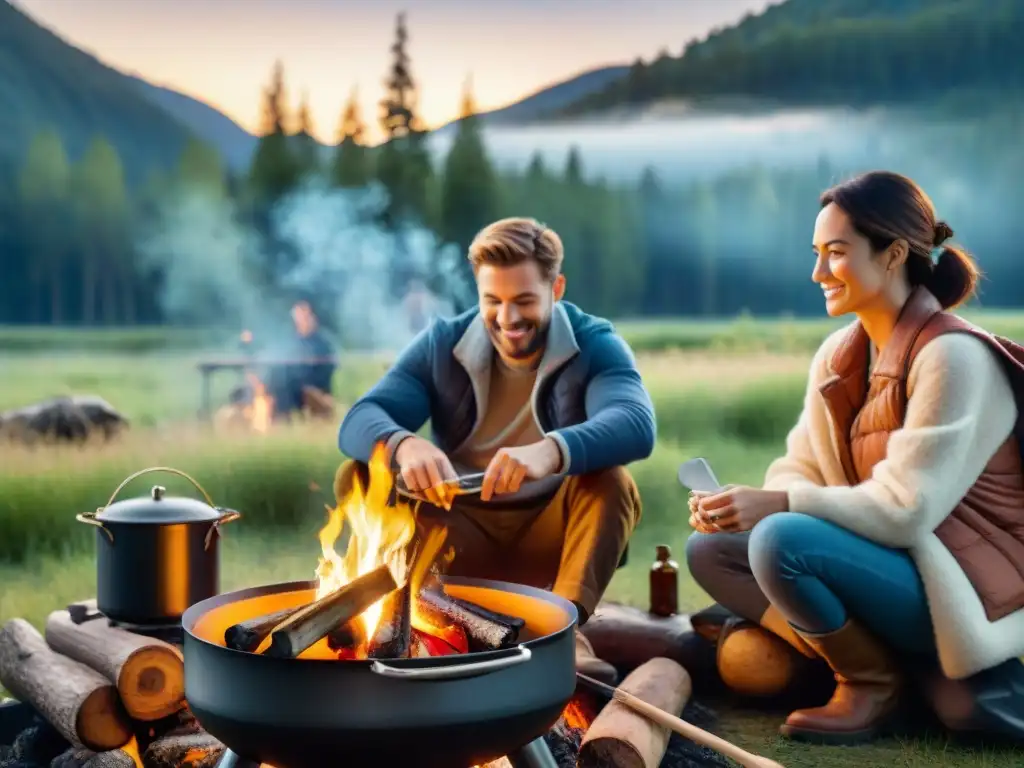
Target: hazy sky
[[222, 51]]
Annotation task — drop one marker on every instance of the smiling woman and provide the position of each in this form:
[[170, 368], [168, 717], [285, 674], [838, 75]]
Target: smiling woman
[[888, 536]]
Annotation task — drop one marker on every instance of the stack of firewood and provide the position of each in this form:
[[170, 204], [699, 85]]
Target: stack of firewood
[[116, 697]]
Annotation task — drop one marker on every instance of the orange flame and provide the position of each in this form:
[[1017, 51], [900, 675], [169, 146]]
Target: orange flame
[[378, 535], [260, 412]]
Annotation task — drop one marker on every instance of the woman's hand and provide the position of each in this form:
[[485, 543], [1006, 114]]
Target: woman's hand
[[739, 508], [699, 521]]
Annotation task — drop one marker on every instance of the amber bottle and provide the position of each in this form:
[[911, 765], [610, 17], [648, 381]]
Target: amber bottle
[[664, 583]]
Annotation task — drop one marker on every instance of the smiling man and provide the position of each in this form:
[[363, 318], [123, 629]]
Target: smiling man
[[542, 398]]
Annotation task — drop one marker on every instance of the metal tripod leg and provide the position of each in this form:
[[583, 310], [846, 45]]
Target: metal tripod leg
[[536, 754], [230, 760]]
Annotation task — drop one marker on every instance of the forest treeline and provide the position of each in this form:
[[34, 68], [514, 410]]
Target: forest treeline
[[707, 247], [838, 52]]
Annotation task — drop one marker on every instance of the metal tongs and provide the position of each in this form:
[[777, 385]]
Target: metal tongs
[[464, 485]]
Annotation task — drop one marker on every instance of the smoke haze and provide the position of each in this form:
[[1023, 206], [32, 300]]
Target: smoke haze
[[336, 253]]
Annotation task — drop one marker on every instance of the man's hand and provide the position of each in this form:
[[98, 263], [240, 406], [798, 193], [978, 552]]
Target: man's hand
[[739, 508], [427, 470], [510, 466]]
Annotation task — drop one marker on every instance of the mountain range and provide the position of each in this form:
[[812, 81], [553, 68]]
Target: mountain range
[[47, 82]]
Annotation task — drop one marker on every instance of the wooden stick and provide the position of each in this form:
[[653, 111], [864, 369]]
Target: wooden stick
[[516, 622], [484, 633], [312, 623], [247, 635], [77, 701], [683, 728], [393, 637], [149, 673], [348, 637], [626, 739]]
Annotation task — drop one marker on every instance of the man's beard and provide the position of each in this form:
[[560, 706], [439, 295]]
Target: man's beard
[[536, 340]]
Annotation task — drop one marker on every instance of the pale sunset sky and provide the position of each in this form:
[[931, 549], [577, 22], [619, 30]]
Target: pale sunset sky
[[223, 51]]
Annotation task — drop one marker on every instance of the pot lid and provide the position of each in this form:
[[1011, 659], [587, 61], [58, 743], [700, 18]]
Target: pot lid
[[158, 507]]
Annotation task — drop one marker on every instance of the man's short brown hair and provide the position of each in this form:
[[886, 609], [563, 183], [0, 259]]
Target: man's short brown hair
[[512, 241]]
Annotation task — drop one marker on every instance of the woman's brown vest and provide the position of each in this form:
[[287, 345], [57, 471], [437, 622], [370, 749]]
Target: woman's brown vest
[[985, 532]]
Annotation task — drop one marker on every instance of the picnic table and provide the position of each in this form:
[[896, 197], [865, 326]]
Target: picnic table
[[207, 368]]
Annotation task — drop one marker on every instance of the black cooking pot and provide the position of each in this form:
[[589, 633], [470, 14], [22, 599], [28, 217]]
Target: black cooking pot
[[442, 712], [156, 555]]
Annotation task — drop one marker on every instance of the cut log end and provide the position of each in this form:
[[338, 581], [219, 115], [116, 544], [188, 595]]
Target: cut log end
[[149, 673], [610, 752], [621, 737], [99, 723], [77, 701], [152, 682]]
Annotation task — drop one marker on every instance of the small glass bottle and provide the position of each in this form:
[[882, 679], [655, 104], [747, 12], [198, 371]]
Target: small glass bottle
[[664, 583]]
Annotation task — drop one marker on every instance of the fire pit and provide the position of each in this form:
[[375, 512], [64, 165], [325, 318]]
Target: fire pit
[[381, 651], [459, 710]]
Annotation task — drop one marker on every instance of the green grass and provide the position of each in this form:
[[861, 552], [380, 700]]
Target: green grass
[[732, 406]]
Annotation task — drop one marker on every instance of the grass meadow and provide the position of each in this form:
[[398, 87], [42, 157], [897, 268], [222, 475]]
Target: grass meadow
[[726, 391]]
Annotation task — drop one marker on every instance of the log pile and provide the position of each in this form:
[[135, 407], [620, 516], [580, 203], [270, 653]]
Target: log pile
[[105, 697]]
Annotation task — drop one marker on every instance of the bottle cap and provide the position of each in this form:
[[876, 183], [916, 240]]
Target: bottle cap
[[663, 552]]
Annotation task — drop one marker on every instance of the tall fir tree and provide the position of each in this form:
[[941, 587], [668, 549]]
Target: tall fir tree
[[403, 162], [469, 196], [304, 146], [275, 170], [351, 167]]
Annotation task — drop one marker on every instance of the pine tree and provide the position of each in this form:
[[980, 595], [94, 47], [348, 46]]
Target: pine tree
[[274, 170], [404, 163], [351, 158], [303, 144], [44, 197], [574, 167], [469, 199], [199, 167]]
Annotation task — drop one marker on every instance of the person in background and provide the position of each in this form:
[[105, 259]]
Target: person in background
[[542, 398], [310, 364], [889, 539]]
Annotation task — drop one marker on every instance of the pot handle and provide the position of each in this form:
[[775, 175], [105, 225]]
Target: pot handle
[[518, 655], [89, 518], [226, 516], [171, 470]]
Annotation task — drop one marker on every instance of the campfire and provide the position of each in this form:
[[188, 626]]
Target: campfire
[[259, 411], [381, 599]]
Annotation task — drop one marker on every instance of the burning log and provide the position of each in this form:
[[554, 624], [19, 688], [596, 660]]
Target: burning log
[[149, 673], [621, 737], [515, 622], [484, 632], [348, 637], [183, 750], [247, 635], [77, 701], [393, 637], [312, 623]]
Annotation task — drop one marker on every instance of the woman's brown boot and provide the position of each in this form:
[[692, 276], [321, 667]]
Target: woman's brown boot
[[868, 688], [776, 623]]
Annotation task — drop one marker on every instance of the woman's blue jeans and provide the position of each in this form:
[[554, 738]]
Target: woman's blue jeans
[[817, 575]]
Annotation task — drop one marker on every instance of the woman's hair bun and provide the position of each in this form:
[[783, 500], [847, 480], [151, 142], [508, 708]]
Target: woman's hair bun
[[942, 233]]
